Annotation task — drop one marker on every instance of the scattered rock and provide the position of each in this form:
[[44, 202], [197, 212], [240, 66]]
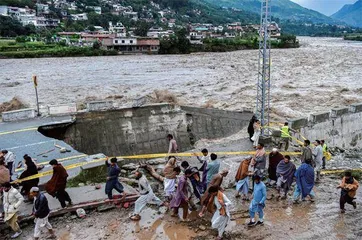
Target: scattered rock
[[123, 171], [156, 161], [104, 208], [81, 213], [202, 228], [130, 166], [162, 210], [63, 150], [81, 185]]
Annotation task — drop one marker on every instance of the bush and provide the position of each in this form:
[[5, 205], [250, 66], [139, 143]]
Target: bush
[[20, 39]]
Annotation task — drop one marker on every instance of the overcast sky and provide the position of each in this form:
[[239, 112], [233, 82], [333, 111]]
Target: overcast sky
[[327, 7]]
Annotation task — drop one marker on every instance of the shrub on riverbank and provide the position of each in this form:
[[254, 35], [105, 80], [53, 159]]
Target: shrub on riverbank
[[58, 52], [171, 45], [353, 37]]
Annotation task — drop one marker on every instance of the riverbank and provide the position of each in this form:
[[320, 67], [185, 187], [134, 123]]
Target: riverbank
[[23, 49], [58, 52], [15, 49]]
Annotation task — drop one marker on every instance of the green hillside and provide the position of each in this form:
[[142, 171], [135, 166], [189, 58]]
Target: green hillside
[[283, 9], [351, 14]]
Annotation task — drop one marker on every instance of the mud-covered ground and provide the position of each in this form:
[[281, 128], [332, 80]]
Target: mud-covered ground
[[321, 74], [283, 220]]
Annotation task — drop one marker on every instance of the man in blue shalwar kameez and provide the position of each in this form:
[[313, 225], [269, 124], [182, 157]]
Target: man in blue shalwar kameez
[[258, 203]]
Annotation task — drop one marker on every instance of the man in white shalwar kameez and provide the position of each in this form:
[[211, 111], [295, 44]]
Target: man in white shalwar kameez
[[146, 196], [222, 215]]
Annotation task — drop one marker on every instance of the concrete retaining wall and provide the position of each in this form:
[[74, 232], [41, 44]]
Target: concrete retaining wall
[[99, 105], [214, 123], [62, 109], [18, 115], [340, 127], [144, 129]]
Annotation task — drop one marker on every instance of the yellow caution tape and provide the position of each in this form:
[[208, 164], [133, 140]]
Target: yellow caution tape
[[142, 156], [59, 160]]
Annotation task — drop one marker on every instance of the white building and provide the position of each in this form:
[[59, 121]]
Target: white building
[[96, 9], [42, 8], [79, 17], [130, 41], [4, 10], [46, 22], [119, 29]]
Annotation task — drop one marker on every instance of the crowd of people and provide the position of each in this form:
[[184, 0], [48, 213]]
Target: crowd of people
[[11, 198], [185, 186]]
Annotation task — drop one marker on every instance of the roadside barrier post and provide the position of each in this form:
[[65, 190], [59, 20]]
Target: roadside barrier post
[[36, 93]]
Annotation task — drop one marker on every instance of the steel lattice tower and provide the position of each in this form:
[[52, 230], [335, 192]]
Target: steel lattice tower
[[263, 87]]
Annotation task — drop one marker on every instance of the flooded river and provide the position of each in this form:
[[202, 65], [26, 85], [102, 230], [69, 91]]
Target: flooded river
[[324, 71]]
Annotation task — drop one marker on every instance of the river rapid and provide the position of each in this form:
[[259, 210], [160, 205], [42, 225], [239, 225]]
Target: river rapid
[[321, 74]]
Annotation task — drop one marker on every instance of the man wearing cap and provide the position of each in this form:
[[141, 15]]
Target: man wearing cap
[[57, 184], [12, 200], [41, 212]]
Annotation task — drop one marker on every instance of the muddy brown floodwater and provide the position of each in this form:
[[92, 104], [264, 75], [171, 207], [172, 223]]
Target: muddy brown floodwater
[[283, 220], [322, 73]]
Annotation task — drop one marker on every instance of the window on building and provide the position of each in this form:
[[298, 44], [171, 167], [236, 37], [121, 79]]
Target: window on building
[[122, 41], [130, 41], [115, 41]]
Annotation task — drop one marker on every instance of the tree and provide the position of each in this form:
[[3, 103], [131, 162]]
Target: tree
[[10, 27], [183, 42], [142, 28]]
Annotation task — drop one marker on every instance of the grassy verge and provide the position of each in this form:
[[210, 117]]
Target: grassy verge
[[56, 51]]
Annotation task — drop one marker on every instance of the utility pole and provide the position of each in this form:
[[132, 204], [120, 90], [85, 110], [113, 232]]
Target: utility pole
[[263, 86], [36, 94]]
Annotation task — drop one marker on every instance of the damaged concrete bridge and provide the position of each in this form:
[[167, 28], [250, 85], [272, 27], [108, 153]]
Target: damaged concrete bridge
[[143, 130]]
